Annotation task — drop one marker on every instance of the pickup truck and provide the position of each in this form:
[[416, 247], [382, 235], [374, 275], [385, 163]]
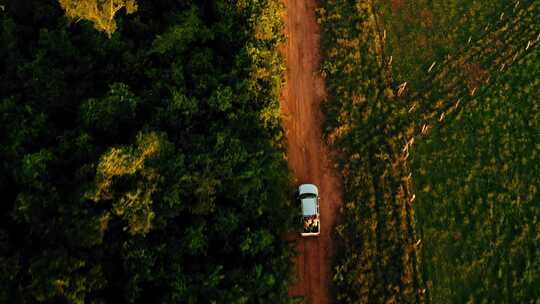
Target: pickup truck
[[308, 195]]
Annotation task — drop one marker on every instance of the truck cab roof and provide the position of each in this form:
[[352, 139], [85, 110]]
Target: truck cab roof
[[309, 205]]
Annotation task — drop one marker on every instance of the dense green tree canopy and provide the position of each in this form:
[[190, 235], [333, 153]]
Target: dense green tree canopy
[[144, 167]]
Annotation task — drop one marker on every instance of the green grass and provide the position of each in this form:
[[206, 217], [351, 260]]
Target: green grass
[[376, 261], [471, 236], [476, 180], [421, 32], [476, 173]]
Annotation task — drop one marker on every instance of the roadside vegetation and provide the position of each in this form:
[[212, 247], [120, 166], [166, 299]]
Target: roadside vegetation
[[396, 73], [144, 164], [377, 259]]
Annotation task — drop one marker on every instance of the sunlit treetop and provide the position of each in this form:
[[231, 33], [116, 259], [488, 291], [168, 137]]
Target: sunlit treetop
[[100, 12]]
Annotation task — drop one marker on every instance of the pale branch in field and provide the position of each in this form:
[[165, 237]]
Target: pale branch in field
[[99, 12]]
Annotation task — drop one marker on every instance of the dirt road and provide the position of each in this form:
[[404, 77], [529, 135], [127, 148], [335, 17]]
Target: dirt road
[[307, 154]]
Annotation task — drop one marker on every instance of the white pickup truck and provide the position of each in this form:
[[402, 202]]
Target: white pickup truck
[[308, 195]]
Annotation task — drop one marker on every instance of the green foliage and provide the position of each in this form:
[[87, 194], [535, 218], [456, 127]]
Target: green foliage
[[188, 29], [148, 167], [34, 173], [55, 275], [131, 170], [376, 261], [110, 112], [99, 12]]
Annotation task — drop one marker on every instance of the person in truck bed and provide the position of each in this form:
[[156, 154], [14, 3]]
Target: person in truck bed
[[308, 195]]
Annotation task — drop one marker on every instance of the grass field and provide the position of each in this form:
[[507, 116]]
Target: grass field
[[421, 32], [432, 110], [377, 259], [475, 173], [476, 180]]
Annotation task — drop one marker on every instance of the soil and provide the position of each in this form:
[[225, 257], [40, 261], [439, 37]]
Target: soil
[[307, 154]]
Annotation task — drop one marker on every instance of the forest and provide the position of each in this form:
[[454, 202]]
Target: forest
[[142, 152]]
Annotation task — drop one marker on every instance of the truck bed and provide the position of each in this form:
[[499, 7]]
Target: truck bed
[[311, 225]]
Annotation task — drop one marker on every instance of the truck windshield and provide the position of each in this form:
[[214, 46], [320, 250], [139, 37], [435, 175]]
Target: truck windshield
[[307, 195]]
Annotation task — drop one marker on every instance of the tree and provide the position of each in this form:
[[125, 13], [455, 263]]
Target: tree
[[130, 169], [100, 12]]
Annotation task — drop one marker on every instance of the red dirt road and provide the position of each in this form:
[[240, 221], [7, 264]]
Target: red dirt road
[[307, 154]]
